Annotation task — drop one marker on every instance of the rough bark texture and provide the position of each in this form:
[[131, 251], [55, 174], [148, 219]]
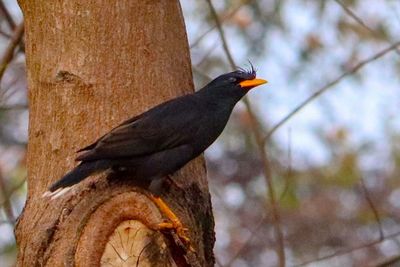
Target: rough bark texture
[[91, 65]]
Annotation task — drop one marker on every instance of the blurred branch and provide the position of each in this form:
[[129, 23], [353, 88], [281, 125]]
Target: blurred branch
[[12, 190], [359, 20], [329, 85], [9, 91], [289, 170], [221, 34], [7, 222], [207, 53], [373, 208], [350, 250], [8, 16], [245, 244], [354, 16], [228, 16], [11, 24], [203, 75], [260, 143], [9, 53], [5, 34], [389, 262], [6, 202], [14, 107]]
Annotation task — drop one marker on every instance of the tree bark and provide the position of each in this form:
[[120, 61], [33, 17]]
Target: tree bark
[[91, 65]]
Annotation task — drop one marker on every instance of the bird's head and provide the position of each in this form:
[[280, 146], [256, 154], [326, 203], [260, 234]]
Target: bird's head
[[238, 82]]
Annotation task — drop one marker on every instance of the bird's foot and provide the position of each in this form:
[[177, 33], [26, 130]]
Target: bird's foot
[[173, 224], [181, 232]]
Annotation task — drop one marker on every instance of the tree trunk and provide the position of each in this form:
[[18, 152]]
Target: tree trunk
[[91, 65]]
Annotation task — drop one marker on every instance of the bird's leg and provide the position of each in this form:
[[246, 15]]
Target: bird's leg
[[174, 222]]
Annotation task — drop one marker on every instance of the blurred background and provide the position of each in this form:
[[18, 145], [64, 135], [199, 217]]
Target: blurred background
[[333, 167]]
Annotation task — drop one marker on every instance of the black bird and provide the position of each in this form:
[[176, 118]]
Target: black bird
[[160, 141]]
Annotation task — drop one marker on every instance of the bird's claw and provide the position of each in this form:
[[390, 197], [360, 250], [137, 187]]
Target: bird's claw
[[173, 223], [181, 231]]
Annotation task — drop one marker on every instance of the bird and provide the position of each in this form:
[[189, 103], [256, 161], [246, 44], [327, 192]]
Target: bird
[[160, 141]]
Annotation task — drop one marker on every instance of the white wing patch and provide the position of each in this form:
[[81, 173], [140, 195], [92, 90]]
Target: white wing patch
[[56, 194]]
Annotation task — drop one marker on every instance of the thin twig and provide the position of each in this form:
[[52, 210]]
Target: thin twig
[[14, 107], [9, 53], [5, 34], [347, 251], [373, 208], [249, 239], [8, 92], [359, 20], [7, 222], [289, 170], [207, 53], [7, 15], [201, 74], [228, 16], [260, 143], [354, 16], [12, 190], [329, 85], [387, 262], [11, 24], [8, 210], [221, 34]]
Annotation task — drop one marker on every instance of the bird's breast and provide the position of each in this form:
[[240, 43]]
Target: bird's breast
[[210, 127]]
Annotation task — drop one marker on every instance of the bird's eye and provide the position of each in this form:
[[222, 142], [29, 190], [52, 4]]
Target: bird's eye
[[232, 79]]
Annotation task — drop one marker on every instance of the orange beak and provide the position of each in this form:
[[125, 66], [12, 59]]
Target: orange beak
[[252, 83]]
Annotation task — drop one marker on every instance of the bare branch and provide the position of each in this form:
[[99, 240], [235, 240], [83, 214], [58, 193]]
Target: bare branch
[[14, 107], [11, 24], [5, 34], [12, 190], [289, 170], [8, 16], [373, 208], [247, 242], [9, 53], [354, 16], [207, 53], [201, 74], [7, 222], [387, 262], [329, 85], [260, 144], [359, 20], [350, 250], [8, 210], [228, 16], [222, 34]]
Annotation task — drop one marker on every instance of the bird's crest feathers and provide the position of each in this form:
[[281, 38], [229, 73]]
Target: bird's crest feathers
[[251, 71]]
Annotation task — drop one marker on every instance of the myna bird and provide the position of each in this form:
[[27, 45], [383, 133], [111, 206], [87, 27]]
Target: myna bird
[[160, 141]]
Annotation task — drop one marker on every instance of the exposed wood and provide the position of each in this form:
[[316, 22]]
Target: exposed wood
[[91, 65]]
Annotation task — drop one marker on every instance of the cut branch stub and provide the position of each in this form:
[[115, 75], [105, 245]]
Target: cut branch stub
[[130, 243], [111, 225], [124, 242]]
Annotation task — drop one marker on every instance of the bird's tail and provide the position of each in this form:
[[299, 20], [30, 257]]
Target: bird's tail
[[73, 177]]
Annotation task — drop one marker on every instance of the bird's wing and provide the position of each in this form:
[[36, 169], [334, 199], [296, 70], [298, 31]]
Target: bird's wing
[[155, 130], [93, 145]]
